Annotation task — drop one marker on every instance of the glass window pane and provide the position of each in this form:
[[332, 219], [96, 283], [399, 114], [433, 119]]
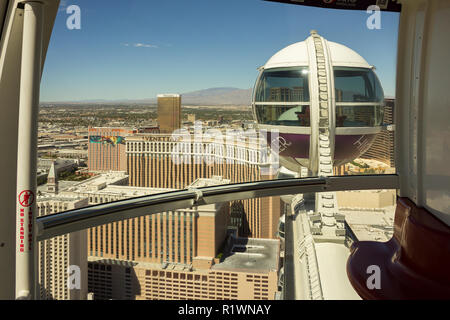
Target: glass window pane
[[359, 116], [283, 85], [357, 85], [283, 115]]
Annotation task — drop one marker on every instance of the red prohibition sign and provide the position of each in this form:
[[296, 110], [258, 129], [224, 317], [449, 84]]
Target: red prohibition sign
[[26, 198]]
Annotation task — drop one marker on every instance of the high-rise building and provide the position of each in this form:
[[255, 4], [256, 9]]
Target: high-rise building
[[58, 254], [247, 269], [157, 161], [174, 236], [107, 149], [164, 255], [171, 236], [169, 112]]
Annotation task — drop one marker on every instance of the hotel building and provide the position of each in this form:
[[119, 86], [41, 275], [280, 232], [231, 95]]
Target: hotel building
[[171, 236], [169, 112], [57, 254], [175, 236], [247, 270], [158, 161], [107, 149], [180, 254]]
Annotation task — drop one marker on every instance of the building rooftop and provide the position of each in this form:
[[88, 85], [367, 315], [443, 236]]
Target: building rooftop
[[98, 182], [250, 254], [332, 261], [62, 198], [62, 185], [371, 225], [205, 182], [95, 183], [59, 163], [246, 255], [129, 192], [147, 265]]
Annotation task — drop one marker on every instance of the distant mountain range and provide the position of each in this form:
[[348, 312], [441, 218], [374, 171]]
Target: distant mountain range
[[211, 96], [206, 97], [218, 96]]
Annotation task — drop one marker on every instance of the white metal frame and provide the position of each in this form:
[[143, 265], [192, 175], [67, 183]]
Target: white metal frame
[[27, 149]]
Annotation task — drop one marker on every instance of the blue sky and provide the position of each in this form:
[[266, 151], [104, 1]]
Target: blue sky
[[135, 49]]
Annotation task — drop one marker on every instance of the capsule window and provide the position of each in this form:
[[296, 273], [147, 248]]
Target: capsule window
[[357, 85], [283, 115], [283, 85], [359, 98]]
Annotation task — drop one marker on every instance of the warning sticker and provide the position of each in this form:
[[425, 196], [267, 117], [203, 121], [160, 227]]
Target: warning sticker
[[26, 198]]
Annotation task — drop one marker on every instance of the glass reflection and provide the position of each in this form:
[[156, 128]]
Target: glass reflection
[[283, 85]]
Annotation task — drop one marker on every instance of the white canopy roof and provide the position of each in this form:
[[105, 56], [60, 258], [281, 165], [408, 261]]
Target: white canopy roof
[[297, 55]]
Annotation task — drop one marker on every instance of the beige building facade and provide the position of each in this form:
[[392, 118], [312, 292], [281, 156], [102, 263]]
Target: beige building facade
[[367, 199], [244, 274], [106, 149], [58, 254], [181, 254], [173, 236], [158, 161]]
